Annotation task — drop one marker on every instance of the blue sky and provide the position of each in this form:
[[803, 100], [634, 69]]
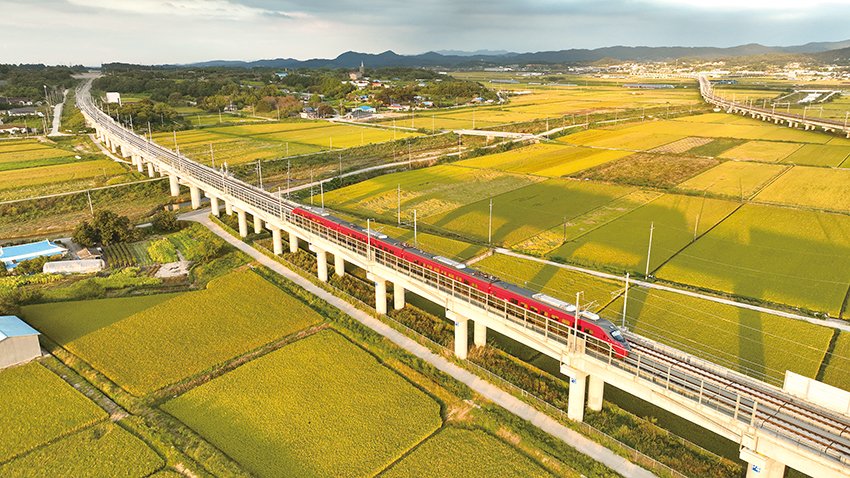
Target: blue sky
[[92, 32]]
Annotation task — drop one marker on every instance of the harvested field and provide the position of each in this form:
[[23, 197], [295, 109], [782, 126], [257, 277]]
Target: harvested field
[[646, 169], [679, 147]]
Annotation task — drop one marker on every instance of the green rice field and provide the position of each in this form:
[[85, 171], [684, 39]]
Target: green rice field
[[460, 453], [178, 338], [29, 423], [734, 179], [761, 151], [819, 155], [65, 324], [270, 140], [837, 372], [794, 257], [528, 211], [102, 450], [318, 407], [820, 188], [430, 191], [761, 345], [622, 244], [549, 279], [551, 160]]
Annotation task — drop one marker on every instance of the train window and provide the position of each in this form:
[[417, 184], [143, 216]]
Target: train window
[[513, 301]]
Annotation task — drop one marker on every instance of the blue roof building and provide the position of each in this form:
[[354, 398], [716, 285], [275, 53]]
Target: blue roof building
[[12, 255], [18, 341]]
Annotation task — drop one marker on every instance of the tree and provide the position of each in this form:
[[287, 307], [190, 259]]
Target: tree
[[85, 235], [111, 227], [31, 266], [165, 220], [324, 110]]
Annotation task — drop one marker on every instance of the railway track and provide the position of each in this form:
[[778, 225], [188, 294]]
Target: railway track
[[757, 405]]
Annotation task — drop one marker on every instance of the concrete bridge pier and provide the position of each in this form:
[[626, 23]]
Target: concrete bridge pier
[[461, 334], [578, 383], [214, 206], [293, 242], [479, 334], [195, 194], [595, 389], [151, 170], [277, 242], [113, 147], [322, 259], [243, 223], [380, 293], [140, 165], [760, 466], [174, 183], [258, 224], [125, 152], [228, 207], [339, 265], [398, 296]]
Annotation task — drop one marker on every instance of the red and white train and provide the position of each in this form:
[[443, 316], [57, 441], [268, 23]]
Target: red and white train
[[450, 270]]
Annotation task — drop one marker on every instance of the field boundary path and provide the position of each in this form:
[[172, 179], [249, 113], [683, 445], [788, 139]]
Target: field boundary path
[[481, 386], [649, 285]]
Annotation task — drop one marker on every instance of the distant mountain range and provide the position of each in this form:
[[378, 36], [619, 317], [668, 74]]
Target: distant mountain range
[[452, 58]]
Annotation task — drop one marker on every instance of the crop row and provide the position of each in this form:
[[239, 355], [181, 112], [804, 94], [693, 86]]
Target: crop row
[[119, 255]]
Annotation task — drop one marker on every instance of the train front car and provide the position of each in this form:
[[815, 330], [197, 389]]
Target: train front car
[[611, 334]]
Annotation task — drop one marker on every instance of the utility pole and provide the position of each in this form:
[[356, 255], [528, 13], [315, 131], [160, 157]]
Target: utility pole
[[212, 158], [565, 229], [399, 205], [260, 172], [625, 299], [368, 240], [91, 208], [651, 228], [415, 239], [311, 186], [288, 187], [490, 228]]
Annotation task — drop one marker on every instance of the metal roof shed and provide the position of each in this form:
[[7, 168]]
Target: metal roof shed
[[12, 255], [18, 341]]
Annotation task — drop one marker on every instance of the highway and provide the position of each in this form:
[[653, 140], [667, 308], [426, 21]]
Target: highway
[[735, 403]]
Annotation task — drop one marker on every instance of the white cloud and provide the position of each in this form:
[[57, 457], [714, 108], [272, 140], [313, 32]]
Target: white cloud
[[218, 9], [766, 6]]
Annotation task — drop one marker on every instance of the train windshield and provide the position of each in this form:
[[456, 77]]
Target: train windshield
[[616, 334]]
